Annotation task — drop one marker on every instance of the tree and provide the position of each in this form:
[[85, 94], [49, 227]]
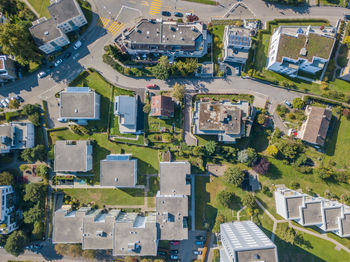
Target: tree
[[210, 147], [38, 230], [43, 171], [197, 151], [160, 72], [147, 108], [262, 166], [288, 149], [16, 242], [234, 176], [179, 92], [298, 103], [248, 200], [247, 156], [6, 178], [272, 150], [261, 119], [26, 155], [34, 192], [225, 198], [16, 40], [286, 233], [35, 119], [324, 172], [33, 214], [14, 104], [163, 61], [219, 220], [31, 155], [31, 109]]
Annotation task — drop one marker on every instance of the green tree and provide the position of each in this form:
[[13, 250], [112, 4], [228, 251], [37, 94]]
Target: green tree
[[163, 61], [147, 108], [14, 104], [6, 178], [324, 172], [272, 150], [179, 92], [261, 119], [298, 103], [197, 151], [248, 200], [225, 198], [160, 72], [31, 109], [16, 40], [26, 155], [286, 233], [219, 220], [16, 242], [34, 192], [43, 171], [35, 119], [288, 149], [35, 213], [234, 175], [39, 153], [210, 147], [38, 230]]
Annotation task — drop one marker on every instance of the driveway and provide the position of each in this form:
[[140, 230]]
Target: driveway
[[186, 247], [189, 138]]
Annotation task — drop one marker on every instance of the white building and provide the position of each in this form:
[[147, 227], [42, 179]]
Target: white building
[[7, 217], [7, 69], [125, 107], [330, 216], [16, 135]]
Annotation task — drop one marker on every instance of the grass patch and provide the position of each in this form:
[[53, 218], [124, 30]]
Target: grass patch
[[33, 66], [41, 7], [206, 2], [333, 2], [156, 124], [218, 33], [231, 97], [130, 196], [153, 189]]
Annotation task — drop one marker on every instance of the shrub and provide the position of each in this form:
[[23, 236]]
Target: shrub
[[234, 176], [225, 198], [249, 201], [294, 185], [272, 150], [262, 166]]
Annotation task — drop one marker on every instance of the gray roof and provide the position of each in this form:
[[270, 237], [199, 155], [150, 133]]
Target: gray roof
[[331, 217], [165, 33], [135, 235], [79, 102], [16, 135], [244, 240], [126, 109], [45, 31], [173, 178], [118, 171], [68, 226], [98, 229], [293, 204], [73, 156], [345, 225], [63, 10], [172, 212], [312, 213]]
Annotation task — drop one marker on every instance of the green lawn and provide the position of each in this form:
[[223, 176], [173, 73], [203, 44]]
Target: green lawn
[[206, 2], [102, 197], [41, 7], [231, 97], [218, 33], [338, 146], [153, 189], [334, 2], [156, 124]]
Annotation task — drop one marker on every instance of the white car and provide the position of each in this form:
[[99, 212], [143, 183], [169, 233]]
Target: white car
[[4, 103], [7, 100], [58, 62], [77, 45]]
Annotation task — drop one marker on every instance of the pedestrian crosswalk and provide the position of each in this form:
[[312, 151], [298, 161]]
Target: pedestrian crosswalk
[[103, 21], [155, 7], [115, 27]]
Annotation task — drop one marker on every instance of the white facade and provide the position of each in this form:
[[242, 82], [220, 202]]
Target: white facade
[[7, 221], [16, 135], [7, 69], [54, 44], [73, 23]]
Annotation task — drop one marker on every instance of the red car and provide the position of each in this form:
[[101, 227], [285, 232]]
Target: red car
[[174, 243], [151, 86]]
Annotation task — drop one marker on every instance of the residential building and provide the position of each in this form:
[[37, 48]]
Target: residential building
[[345, 71], [118, 171], [297, 51], [127, 234], [7, 69], [67, 15], [47, 36], [169, 38], [73, 156], [80, 104], [225, 119], [244, 241], [162, 107], [16, 135], [237, 43], [7, 210], [314, 130], [329, 215], [125, 107], [172, 200]]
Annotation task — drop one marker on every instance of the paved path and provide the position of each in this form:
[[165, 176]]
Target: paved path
[[189, 138], [239, 212], [31, 8]]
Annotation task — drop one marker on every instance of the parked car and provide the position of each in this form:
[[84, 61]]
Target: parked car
[[288, 103], [151, 86], [42, 74], [200, 243], [77, 45], [174, 243], [161, 253], [197, 252], [174, 252], [19, 98], [58, 62], [7, 100], [192, 18], [166, 13], [201, 238], [178, 14], [174, 257], [62, 120]]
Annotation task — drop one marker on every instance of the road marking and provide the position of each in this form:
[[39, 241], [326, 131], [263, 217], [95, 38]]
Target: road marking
[[155, 7], [145, 3], [102, 21], [115, 27]]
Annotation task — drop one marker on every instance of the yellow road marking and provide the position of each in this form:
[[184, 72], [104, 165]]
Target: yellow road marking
[[103, 21], [115, 27], [155, 7]]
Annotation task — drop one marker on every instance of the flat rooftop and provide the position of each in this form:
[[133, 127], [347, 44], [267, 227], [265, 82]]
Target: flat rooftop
[[63, 10], [312, 213], [45, 31], [331, 218], [173, 178], [293, 205]]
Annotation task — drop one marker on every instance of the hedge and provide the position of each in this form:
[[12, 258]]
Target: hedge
[[321, 100], [76, 80], [45, 113], [57, 129]]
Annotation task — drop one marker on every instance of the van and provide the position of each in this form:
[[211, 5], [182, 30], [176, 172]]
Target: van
[[77, 45]]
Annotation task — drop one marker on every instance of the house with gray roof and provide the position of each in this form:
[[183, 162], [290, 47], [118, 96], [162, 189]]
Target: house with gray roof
[[73, 156], [67, 15], [244, 241], [7, 69], [329, 215], [174, 178], [80, 104], [16, 135], [135, 235], [225, 119], [118, 170], [169, 38], [47, 36], [125, 108], [7, 210]]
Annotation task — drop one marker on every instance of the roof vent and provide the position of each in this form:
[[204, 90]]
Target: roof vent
[[303, 51], [46, 33], [147, 32], [76, 110]]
